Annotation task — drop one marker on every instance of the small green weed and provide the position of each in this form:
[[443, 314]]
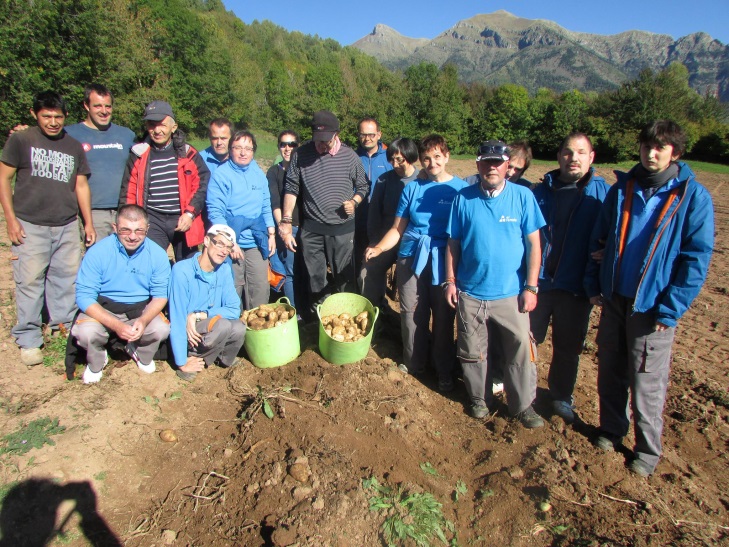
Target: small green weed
[[487, 493], [33, 435], [461, 490], [54, 350], [428, 469], [174, 396], [101, 476], [152, 401], [410, 515]]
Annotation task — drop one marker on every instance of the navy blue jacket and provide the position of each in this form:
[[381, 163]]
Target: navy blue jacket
[[677, 258], [570, 272]]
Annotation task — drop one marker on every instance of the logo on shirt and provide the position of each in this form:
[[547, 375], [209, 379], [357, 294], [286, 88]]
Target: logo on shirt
[[51, 164], [86, 146], [507, 218]]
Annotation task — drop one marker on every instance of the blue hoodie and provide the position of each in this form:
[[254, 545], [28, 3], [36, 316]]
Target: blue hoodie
[[192, 290], [236, 191], [677, 258], [570, 271]]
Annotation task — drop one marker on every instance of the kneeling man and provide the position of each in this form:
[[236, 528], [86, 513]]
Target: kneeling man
[[121, 290], [205, 307]]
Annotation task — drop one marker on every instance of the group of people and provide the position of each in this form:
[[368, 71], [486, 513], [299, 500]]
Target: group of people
[[492, 255]]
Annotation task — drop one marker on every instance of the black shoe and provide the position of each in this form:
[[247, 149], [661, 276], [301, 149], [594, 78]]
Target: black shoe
[[187, 376], [479, 412], [640, 468], [530, 419], [606, 442]]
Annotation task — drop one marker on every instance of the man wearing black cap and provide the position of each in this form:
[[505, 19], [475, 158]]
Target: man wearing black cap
[[493, 227], [169, 179], [331, 179]]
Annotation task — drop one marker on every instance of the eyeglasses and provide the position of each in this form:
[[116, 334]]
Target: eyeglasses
[[222, 245], [367, 135], [128, 231], [241, 148], [398, 160], [292, 144]]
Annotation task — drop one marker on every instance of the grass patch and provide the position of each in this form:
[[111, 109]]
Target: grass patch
[[411, 516], [54, 350], [33, 435]]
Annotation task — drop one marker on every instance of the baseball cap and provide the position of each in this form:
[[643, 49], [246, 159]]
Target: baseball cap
[[323, 125], [493, 150], [222, 230], [156, 111]]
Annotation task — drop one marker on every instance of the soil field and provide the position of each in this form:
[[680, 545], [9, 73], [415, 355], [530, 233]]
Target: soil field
[[286, 456]]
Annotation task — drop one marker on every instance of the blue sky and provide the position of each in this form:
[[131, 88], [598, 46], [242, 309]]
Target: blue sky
[[345, 22]]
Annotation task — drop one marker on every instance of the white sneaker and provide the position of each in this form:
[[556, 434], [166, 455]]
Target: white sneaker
[[91, 377], [131, 349], [31, 356], [498, 387], [149, 369]]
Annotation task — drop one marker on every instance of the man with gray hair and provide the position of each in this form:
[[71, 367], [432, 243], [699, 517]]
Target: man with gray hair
[[169, 179], [121, 290]]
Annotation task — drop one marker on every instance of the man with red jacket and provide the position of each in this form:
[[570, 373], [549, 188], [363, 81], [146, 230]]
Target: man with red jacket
[[169, 179]]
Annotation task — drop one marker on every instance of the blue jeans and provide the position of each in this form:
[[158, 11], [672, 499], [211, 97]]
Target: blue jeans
[[44, 269]]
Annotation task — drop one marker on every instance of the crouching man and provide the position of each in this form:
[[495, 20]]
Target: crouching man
[[121, 290], [205, 307]]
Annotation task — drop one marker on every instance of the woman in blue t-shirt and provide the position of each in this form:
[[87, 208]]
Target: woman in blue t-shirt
[[420, 227]]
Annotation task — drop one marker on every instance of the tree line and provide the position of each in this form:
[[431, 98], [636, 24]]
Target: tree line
[[207, 63]]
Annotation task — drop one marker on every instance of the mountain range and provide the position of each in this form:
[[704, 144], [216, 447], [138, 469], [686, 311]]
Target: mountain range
[[500, 48]]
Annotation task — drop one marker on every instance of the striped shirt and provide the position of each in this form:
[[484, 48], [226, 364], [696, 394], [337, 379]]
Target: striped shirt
[[164, 189], [324, 182]]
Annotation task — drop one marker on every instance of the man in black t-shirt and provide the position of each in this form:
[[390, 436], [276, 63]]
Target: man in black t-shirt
[[51, 187]]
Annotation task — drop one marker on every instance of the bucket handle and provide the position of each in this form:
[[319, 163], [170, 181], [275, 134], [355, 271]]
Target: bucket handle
[[284, 300], [318, 311]]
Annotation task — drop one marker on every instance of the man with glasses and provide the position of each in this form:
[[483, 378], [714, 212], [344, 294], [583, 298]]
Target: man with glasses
[[331, 180], [168, 178], [220, 131], [570, 199], [492, 268], [121, 290], [205, 307], [375, 162]]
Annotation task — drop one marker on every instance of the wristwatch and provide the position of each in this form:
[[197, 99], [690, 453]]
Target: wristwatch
[[531, 288]]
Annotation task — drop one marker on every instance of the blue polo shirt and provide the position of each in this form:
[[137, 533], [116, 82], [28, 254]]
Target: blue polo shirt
[[427, 206], [211, 160], [492, 233]]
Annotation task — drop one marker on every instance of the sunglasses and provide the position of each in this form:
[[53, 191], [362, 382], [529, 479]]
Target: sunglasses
[[291, 144], [499, 150]]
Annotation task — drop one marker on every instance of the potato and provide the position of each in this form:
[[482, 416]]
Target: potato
[[328, 330], [363, 324], [284, 317], [345, 317], [357, 337], [292, 312], [278, 323], [261, 313], [348, 337], [336, 322], [338, 337], [168, 436], [265, 307], [339, 330], [360, 316], [270, 324], [256, 324], [273, 316]]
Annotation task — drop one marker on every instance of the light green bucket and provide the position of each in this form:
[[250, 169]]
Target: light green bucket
[[276, 346], [342, 353]]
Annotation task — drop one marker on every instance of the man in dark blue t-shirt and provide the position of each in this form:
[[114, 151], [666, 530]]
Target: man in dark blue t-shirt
[[107, 149]]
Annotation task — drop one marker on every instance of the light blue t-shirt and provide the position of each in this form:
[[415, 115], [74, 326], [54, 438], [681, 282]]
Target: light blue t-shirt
[[492, 233], [427, 206], [211, 160], [106, 153]]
